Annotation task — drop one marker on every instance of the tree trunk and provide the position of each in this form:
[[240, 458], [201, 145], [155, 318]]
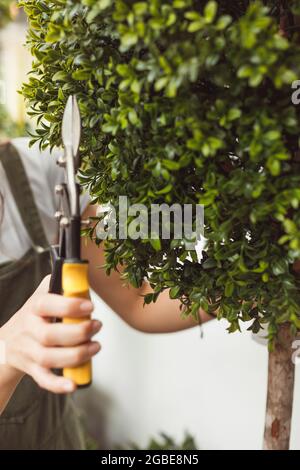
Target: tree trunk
[[281, 374]]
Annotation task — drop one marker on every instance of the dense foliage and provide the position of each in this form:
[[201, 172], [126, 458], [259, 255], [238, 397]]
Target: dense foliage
[[185, 101], [165, 442]]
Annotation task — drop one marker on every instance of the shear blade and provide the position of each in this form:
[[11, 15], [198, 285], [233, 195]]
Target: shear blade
[[71, 127]]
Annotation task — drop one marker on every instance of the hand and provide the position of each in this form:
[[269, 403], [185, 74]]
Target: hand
[[34, 345]]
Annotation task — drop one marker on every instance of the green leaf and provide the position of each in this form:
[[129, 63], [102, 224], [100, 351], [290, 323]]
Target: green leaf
[[234, 113], [279, 267], [229, 288], [161, 83], [210, 11], [165, 190], [156, 244], [81, 75], [196, 26], [174, 292], [60, 76], [129, 40]]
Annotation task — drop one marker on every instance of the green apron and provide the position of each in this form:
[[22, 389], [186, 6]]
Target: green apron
[[34, 418]]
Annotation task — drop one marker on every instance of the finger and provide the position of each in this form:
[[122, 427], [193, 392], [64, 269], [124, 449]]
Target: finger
[[60, 334], [50, 358], [57, 306], [51, 382]]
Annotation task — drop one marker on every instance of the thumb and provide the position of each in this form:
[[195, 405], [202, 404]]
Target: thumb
[[44, 285], [43, 288]]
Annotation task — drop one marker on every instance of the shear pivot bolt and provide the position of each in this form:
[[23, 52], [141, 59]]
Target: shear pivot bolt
[[65, 223], [58, 215], [86, 222], [59, 189], [61, 161]]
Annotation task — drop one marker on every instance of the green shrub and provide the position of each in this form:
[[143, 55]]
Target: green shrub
[[165, 442], [190, 102]]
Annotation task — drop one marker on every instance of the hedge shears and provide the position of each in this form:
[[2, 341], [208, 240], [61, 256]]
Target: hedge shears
[[69, 271]]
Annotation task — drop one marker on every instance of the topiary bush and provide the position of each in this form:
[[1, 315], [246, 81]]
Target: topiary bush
[[190, 104], [185, 101]]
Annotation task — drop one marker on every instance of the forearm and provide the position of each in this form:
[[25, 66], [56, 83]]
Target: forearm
[[164, 316], [9, 376]]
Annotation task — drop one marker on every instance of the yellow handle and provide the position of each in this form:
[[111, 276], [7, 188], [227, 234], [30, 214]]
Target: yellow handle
[[75, 284]]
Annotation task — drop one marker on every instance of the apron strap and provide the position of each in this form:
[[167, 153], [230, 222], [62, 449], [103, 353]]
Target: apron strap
[[23, 195]]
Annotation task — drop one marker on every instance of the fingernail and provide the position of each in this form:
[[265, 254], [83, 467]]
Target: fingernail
[[94, 348], [86, 306], [96, 326], [68, 386]]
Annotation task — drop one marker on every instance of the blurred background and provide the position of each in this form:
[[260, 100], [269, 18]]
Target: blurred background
[[15, 63], [212, 388]]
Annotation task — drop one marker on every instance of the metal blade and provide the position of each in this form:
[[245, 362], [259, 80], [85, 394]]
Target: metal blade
[[71, 127]]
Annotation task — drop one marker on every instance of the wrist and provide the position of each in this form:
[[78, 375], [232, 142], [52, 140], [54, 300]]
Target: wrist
[[9, 374], [9, 380]]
